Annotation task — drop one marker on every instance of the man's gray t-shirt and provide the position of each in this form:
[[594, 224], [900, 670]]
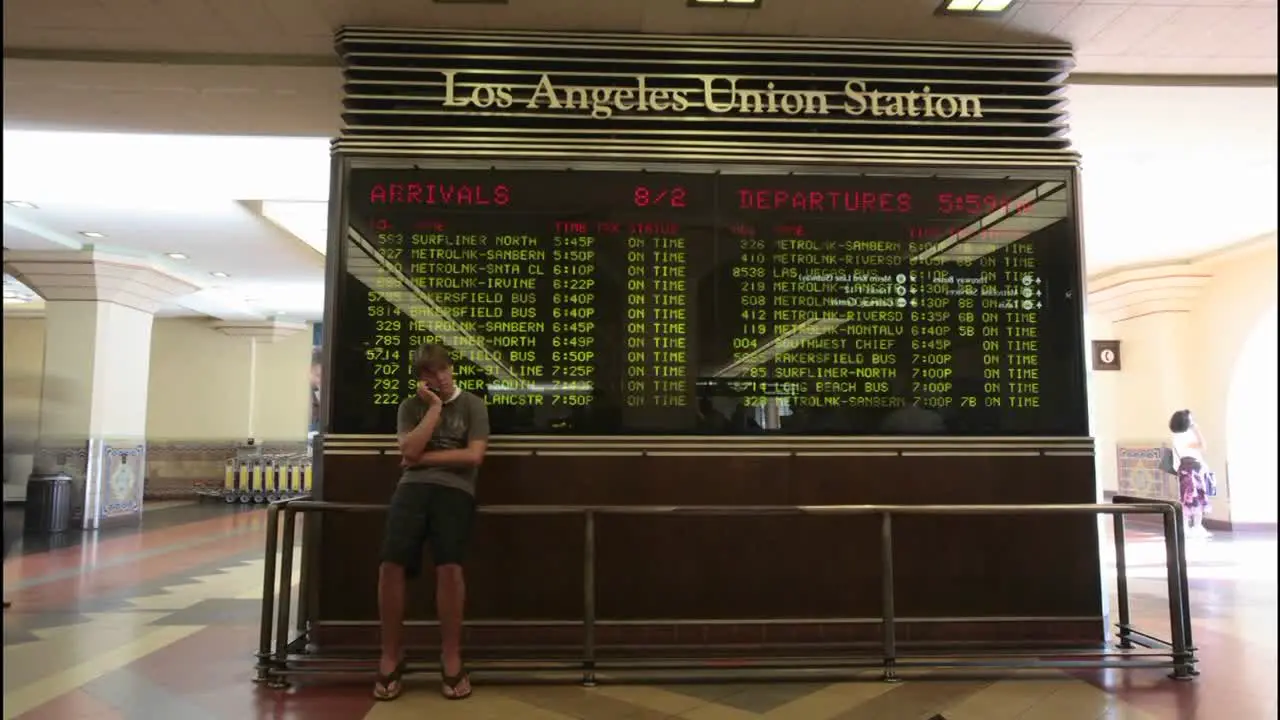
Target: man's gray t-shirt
[[463, 419]]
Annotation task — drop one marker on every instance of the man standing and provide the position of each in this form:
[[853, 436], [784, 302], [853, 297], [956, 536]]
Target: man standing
[[443, 433]]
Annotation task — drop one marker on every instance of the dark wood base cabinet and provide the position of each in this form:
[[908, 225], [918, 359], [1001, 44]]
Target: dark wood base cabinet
[[773, 579]]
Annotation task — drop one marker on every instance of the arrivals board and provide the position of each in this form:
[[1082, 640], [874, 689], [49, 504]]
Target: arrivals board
[[656, 303]]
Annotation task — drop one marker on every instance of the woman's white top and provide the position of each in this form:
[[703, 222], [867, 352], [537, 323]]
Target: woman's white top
[[1184, 446]]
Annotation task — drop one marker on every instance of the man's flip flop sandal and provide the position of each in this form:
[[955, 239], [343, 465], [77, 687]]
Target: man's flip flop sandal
[[389, 687], [452, 682]]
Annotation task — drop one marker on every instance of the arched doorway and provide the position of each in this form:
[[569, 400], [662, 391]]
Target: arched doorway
[[1251, 426]]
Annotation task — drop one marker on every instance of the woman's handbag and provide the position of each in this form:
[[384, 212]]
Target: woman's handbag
[[1166, 461]]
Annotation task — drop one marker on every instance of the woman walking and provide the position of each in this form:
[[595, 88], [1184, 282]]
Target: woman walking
[[1194, 478]]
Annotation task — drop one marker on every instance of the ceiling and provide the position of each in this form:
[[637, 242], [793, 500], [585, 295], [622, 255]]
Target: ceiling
[[1110, 36], [247, 67], [252, 209], [268, 271], [251, 67], [1169, 171]]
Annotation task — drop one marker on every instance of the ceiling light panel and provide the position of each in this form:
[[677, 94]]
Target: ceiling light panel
[[975, 7], [726, 3], [92, 234]]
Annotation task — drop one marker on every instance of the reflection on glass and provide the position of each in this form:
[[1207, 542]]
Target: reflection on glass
[[610, 302]]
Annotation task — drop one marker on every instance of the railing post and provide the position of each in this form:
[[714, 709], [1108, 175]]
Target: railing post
[[262, 671], [1183, 585], [303, 606], [887, 613], [1122, 582], [286, 583], [1182, 664], [589, 599]]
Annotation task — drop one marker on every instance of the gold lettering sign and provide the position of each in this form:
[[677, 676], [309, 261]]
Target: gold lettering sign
[[718, 94]]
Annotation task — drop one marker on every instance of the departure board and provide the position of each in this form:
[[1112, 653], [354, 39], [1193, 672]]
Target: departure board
[[611, 302]]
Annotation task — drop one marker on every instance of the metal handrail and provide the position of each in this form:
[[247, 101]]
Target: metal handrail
[[273, 662], [1128, 635]]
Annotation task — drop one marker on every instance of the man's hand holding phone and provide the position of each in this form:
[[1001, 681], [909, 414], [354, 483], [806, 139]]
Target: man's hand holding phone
[[428, 395]]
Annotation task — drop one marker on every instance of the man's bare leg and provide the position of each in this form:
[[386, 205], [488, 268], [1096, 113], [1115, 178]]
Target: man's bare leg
[[451, 595], [391, 613]]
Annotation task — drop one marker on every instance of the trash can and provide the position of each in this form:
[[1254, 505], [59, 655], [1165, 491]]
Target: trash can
[[48, 507]]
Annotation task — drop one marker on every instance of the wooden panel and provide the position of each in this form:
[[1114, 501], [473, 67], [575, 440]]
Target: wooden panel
[[972, 566], [733, 567]]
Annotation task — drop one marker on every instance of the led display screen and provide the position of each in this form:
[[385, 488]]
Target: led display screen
[[655, 303]]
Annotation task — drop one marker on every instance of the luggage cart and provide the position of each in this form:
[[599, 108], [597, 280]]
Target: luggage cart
[[257, 480], [294, 478], [270, 486], [257, 477], [230, 481], [242, 481]]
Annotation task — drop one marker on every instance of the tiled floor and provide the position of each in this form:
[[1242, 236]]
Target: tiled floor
[[162, 623]]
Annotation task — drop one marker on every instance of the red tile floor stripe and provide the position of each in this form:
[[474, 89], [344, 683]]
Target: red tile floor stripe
[[34, 567], [68, 592]]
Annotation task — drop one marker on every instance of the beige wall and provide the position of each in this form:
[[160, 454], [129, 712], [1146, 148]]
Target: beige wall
[[1182, 352], [200, 383], [1241, 294], [204, 385], [1253, 425], [23, 368], [282, 396]]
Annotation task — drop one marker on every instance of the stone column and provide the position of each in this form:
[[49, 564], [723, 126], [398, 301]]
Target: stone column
[[93, 408]]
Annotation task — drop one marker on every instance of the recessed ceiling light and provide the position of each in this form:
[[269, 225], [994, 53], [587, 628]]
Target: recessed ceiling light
[[982, 7], [726, 3], [92, 234], [175, 256], [219, 274], [22, 204]]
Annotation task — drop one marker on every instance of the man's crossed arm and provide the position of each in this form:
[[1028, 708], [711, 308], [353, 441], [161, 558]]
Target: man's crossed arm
[[470, 456], [413, 443]]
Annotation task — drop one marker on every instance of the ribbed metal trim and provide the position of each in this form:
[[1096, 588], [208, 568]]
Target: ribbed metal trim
[[395, 88], [713, 446]]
